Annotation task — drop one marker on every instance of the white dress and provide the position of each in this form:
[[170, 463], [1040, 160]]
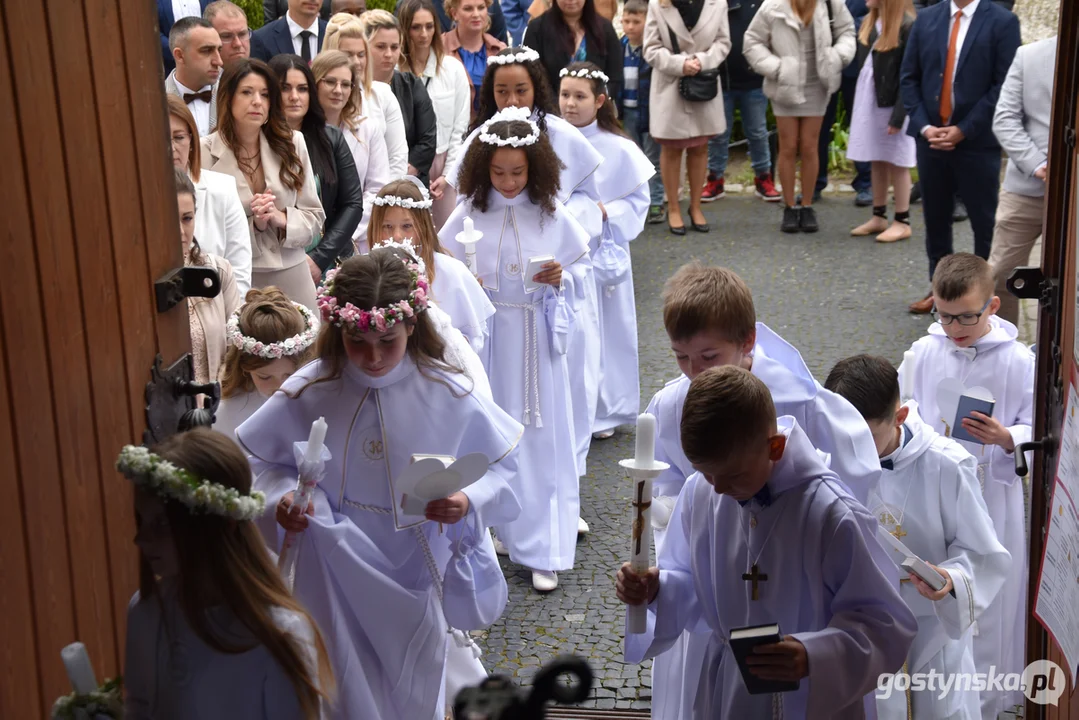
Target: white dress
[[1001, 364], [525, 357], [170, 673], [622, 182], [929, 498], [813, 541], [458, 292], [384, 597], [232, 411]]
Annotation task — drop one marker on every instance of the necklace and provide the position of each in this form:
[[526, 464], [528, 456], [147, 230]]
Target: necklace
[[753, 572], [886, 517]]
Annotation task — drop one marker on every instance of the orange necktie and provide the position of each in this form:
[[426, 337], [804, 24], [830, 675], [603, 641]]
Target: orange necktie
[[949, 65]]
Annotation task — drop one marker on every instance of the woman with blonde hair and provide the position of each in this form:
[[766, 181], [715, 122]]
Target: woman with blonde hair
[[450, 91], [878, 127], [470, 43], [800, 48], [375, 100], [341, 100]]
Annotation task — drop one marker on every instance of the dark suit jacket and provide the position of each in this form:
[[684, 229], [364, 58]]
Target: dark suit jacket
[[273, 9], [421, 130], [987, 53], [276, 39], [541, 36], [498, 20], [920, 5], [165, 21]]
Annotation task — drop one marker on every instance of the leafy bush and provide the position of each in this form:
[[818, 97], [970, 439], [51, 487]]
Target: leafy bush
[[388, 5], [253, 10]]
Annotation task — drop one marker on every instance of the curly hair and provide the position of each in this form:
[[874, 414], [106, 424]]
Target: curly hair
[[543, 97], [276, 131], [544, 167], [269, 317], [426, 238], [606, 116], [379, 279]]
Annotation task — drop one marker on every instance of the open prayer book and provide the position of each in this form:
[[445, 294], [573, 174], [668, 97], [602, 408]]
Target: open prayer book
[[433, 477], [742, 642], [911, 562]]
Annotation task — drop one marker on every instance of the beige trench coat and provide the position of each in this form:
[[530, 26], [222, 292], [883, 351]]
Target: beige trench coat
[[670, 116], [773, 48]]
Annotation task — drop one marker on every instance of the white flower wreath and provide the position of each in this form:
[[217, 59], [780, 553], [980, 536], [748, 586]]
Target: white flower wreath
[[525, 54], [163, 478], [409, 248], [403, 202], [510, 114], [272, 351], [584, 73]]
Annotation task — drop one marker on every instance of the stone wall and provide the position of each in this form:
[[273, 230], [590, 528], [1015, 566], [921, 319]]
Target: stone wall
[[1037, 18]]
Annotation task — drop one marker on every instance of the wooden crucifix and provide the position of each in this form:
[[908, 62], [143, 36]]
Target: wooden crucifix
[[755, 576], [638, 522]]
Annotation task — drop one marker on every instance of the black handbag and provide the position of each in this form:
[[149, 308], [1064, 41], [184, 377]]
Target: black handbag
[[703, 86]]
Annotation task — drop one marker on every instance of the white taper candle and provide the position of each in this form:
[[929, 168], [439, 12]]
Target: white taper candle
[[79, 670], [316, 440], [646, 439]]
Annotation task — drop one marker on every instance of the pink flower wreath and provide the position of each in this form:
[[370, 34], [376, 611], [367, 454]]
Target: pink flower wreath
[[377, 319]]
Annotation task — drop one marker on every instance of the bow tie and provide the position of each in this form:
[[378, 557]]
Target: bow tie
[[970, 353], [763, 497], [887, 465], [206, 96]]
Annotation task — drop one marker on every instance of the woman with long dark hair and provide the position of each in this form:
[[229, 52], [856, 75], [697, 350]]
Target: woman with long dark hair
[[274, 177], [338, 184], [572, 31]]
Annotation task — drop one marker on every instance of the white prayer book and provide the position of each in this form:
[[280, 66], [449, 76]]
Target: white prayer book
[[911, 562]]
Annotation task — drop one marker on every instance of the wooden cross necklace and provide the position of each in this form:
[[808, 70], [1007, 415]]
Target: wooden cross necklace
[[753, 572]]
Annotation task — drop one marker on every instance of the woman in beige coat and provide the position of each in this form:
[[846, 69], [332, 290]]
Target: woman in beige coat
[[703, 37], [800, 48], [276, 183]]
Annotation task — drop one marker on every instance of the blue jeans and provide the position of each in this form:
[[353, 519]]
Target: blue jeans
[[754, 107], [631, 122]]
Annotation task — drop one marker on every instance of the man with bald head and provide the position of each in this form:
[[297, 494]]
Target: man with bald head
[[196, 48], [230, 21], [352, 7]]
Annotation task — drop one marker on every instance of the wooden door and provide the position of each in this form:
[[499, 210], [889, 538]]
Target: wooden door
[[90, 222], [1056, 332]]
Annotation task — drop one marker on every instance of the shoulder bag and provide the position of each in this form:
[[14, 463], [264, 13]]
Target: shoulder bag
[[703, 86]]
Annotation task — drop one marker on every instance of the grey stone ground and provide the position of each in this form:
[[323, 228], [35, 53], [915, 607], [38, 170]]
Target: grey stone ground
[[829, 294]]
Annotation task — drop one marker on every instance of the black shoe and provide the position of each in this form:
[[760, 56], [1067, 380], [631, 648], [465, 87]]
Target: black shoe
[[702, 228], [959, 212], [808, 220], [676, 230], [916, 193], [791, 216]]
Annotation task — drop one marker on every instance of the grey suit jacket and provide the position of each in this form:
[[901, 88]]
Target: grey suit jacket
[[172, 89], [1021, 120]]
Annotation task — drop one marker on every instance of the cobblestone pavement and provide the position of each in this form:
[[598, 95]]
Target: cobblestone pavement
[[829, 294]]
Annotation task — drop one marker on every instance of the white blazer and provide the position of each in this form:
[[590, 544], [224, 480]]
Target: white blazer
[[368, 146], [382, 107], [221, 225]]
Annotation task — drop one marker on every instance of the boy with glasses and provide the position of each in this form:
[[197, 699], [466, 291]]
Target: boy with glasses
[[972, 347]]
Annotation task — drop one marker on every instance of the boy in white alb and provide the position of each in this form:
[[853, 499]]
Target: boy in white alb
[[709, 316], [971, 347], [929, 499], [765, 533]]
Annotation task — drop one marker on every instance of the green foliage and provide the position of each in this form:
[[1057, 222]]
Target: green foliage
[[388, 5], [837, 149], [253, 10]]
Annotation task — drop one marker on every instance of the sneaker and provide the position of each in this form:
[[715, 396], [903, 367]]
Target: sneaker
[[582, 526], [863, 198], [807, 221], [544, 581], [603, 435], [916, 193], [766, 188], [656, 215], [713, 189], [500, 547], [790, 219]]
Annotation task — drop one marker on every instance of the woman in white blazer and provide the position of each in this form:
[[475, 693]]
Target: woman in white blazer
[[254, 144], [220, 224]]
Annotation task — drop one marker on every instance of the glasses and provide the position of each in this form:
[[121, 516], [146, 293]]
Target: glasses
[[964, 319], [181, 139], [332, 84], [227, 38]]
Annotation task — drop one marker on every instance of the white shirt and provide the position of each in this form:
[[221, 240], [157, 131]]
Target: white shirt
[[381, 107], [199, 108], [966, 16], [295, 28], [450, 93], [185, 8]]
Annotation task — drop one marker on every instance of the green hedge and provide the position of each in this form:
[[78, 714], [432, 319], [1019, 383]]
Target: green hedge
[[253, 10], [382, 4]]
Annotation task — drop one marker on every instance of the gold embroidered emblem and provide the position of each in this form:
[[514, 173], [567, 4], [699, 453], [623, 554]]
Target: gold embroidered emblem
[[372, 449], [513, 269]]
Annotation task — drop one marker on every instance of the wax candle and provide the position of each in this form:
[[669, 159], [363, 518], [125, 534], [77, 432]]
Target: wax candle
[[906, 379], [646, 440], [79, 670], [469, 228], [316, 440]]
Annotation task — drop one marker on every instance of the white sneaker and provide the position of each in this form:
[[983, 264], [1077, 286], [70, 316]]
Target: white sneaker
[[544, 580], [603, 435], [500, 547], [582, 526]]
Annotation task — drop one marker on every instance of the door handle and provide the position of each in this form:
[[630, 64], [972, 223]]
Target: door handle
[[1046, 444]]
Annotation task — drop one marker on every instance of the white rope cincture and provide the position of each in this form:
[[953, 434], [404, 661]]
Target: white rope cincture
[[531, 358], [460, 637]]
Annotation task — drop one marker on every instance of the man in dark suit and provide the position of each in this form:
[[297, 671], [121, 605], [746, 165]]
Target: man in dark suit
[[956, 60], [274, 9], [168, 12], [299, 31]]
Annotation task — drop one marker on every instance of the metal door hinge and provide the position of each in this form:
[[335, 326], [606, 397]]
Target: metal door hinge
[[185, 282], [1029, 283], [170, 400]]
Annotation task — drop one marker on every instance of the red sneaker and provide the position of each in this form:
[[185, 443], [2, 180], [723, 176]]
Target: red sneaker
[[766, 188], [713, 189]]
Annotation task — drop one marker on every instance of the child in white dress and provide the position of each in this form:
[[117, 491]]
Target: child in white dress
[[509, 187], [212, 632], [269, 338]]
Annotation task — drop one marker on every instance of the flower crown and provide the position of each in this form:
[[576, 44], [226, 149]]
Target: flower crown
[[525, 54], [272, 351], [408, 247], [406, 203], [584, 73], [510, 114], [378, 319], [174, 483]]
